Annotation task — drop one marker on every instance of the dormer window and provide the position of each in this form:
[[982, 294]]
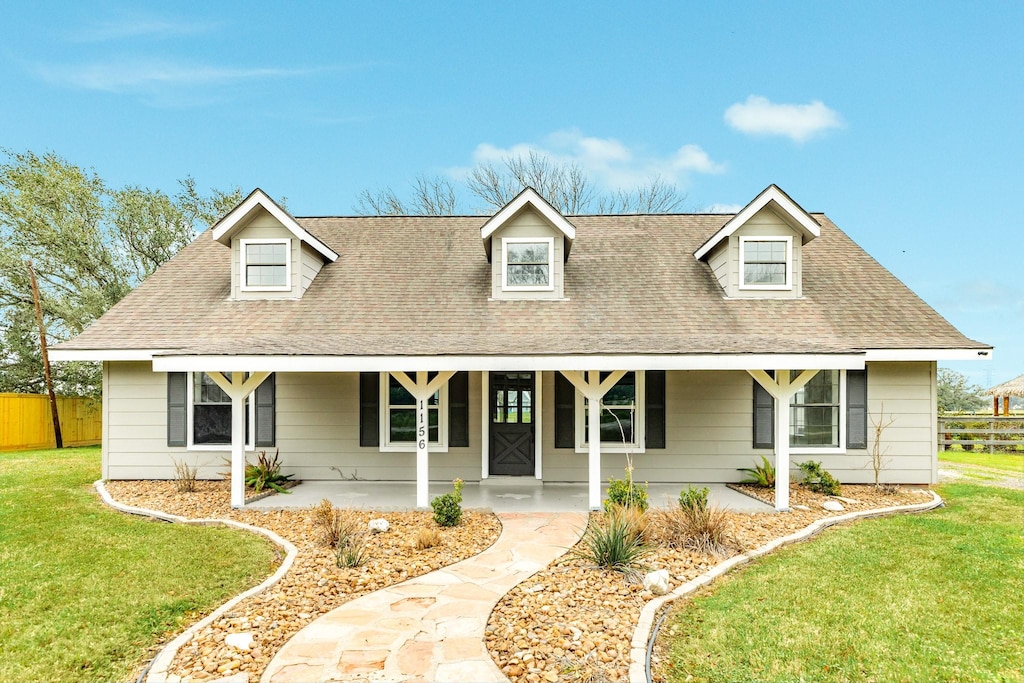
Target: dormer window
[[527, 264], [266, 265], [766, 262]]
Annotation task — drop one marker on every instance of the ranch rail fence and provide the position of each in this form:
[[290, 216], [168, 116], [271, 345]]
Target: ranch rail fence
[[1004, 433], [26, 422]]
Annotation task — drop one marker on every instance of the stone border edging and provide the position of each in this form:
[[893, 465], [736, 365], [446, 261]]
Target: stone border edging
[[162, 662], [645, 624]]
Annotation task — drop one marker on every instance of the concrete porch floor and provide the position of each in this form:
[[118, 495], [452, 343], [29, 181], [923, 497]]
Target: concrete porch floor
[[513, 494]]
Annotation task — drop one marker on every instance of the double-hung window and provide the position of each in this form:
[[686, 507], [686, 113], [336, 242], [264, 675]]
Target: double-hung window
[[816, 416], [266, 265], [621, 417], [210, 417], [398, 426], [527, 264], [766, 262]]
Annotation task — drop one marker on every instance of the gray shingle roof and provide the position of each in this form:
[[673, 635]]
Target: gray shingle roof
[[421, 286]]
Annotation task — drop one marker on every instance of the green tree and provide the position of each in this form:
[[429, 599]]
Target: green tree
[[90, 245], [955, 395]]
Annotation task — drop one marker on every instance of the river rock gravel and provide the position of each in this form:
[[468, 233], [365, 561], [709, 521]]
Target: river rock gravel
[[314, 585]]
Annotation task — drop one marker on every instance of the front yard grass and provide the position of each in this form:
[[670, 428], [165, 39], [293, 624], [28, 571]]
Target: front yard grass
[[1009, 462], [86, 592], [928, 597]]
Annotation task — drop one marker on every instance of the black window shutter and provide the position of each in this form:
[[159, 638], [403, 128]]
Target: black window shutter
[[177, 405], [857, 408], [654, 387], [764, 417], [565, 412], [369, 409], [458, 410], [266, 412]]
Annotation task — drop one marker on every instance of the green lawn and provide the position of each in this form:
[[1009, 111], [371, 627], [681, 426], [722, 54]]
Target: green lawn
[[937, 596], [1011, 462], [86, 592]]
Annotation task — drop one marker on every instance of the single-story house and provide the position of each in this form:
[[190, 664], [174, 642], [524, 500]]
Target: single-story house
[[412, 348]]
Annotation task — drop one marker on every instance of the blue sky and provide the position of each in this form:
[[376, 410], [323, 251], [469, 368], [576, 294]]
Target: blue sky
[[902, 121]]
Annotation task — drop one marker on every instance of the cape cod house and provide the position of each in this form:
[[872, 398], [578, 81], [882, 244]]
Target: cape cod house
[[417, 348]]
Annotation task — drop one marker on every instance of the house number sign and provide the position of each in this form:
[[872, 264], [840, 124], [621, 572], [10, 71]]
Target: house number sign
[[422, 431]]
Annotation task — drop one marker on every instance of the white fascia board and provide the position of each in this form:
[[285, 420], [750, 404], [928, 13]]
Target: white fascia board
[[259, 198], [104, 354], [927, 354], [770, 194], [531, 197], [173, 363]]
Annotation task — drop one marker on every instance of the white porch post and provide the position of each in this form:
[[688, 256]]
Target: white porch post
[[238, 388], [782, 390], [421, 391], [593, 390]]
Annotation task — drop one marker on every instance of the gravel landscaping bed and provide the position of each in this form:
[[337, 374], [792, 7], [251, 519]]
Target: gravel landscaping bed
[[573, 622], [314, 585]]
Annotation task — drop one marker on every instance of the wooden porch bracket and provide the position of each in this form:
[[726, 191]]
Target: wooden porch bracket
[[593, 389], [238, 388], [422, 390]]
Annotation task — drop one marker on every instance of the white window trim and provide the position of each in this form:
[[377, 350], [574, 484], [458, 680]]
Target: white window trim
[[841, 448], [639, 428], [789, 262], [250, 437], [245, 287], [550, 286], [388, 446]]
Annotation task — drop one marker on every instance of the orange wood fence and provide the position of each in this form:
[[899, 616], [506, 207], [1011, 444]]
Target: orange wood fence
[[25, 421]]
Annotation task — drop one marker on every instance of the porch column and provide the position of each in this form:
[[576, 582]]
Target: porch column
[[421, 391], [782, 390], [238, 388], [593, 390]]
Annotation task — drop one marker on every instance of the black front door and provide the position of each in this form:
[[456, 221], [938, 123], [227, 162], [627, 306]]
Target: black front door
[[512, 423]]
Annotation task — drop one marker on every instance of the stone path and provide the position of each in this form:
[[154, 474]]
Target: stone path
[[429, 628]]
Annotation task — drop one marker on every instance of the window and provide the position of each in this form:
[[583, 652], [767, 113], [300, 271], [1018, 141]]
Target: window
[[398, 423], [622, 416], [210, 417], [266, 265], [527, 263], [766, 262], [815, 412]]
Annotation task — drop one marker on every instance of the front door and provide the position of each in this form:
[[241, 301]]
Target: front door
[[512, 423]]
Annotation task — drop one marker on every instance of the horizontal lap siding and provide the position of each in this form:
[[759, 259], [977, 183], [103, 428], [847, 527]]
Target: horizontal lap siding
[[317, 430]]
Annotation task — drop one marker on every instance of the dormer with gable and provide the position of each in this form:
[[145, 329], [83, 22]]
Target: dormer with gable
[[272, 256], [758, 254], [527, 243]]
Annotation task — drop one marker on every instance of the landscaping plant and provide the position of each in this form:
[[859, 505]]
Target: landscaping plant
[[448, 507], [427, 538], [615, 542], [333, 525], [266, 473], [878, 459], [352, 551], [185, 476], [693, 498], [626, 493], [760, 475], [819, 480]]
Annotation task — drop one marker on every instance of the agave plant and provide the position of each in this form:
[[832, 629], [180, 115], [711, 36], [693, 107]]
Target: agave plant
[[266, 473], [760, 475]]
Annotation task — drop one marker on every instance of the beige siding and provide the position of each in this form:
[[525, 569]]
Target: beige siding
[[265, 226], [709, 426], [312, 262], [718, 259], [765, 223], [528, 223]]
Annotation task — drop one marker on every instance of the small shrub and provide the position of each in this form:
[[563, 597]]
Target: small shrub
[[693, 498], [703, 529], [888, 489], [427, 538], [266, 473], [818, 479], [760, 475], [626, 493], [185, 476], [616, 542], [353, 552], [334, 526], [448, 507]]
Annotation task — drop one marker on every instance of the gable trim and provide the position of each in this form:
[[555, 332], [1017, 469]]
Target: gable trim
[[770, 195], [227, 226], [532, 197]]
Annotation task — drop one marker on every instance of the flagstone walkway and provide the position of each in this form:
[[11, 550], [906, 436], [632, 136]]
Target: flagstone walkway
[[429, 628]]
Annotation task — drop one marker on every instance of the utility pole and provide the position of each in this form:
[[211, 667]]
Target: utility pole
[[46, 356]]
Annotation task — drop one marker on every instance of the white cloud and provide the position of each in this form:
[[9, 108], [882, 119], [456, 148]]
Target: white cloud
[[723, 208], [799, 122], [608, 162], [139, 27], [126, 77]]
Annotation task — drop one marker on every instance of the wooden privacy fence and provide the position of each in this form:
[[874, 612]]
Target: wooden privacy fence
[[1004, 433], [26, 421]]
